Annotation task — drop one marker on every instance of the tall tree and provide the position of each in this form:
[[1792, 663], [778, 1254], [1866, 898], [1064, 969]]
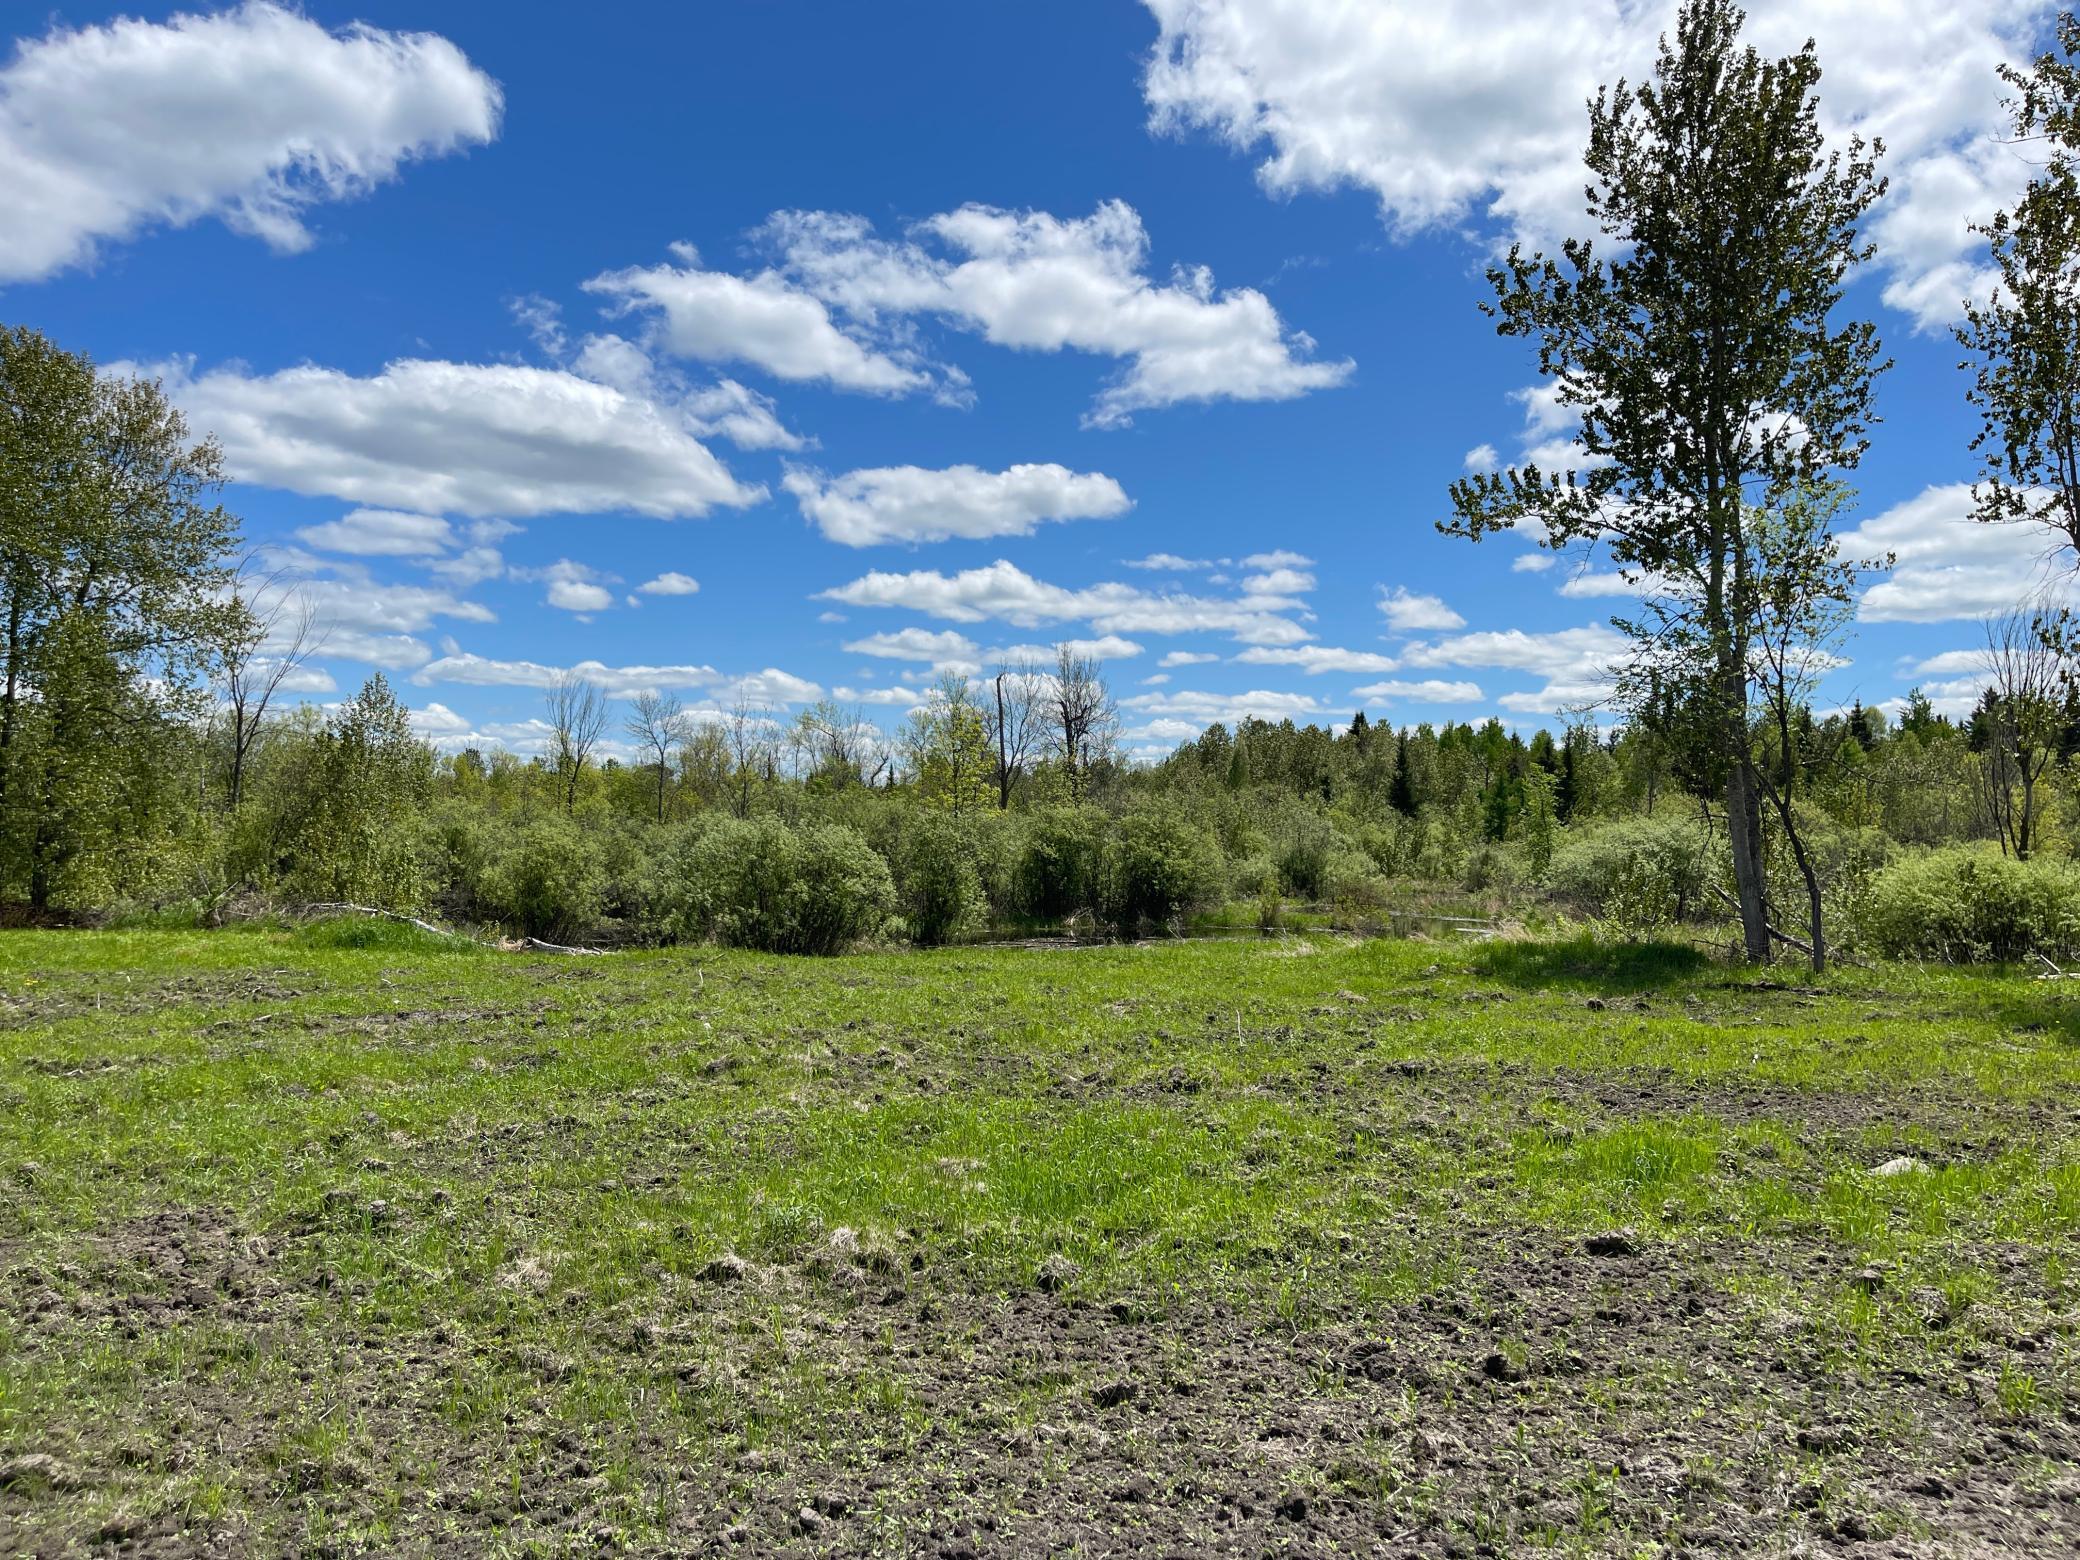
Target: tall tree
[[279, 632], [950, 749], [1701, 358], [114, 568], [659, 727], [2024, 341], [577, 717], [1083, 714], [1013, 712]]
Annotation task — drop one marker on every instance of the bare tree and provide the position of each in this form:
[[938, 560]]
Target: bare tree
[[1013, 715], [1083, 713], [840, 744], [2016, 727], [659, 726], [278, 634], [577, 716], [748, 730]]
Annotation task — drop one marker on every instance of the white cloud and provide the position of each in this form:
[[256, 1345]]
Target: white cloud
[[1170, 563], [1577, 663], [457, 438], [1948, 565], [763, 319], [1532, 563], [771, 686], [251, 116], [574, 587], [381, 533], [1006, 593], [437, 720], [1279, 582], [1279, 559], [907, 699], [1036, 282], [616, 681], [916, 644], [1316, 659], [670, 583], [1430, 690], [1156, 680], [1950, 663], [1483, 458], [912, 504], [1592, 647], [1204, 707], [1108, 647], [1409, 613], [1477, 113], [1188, 658]]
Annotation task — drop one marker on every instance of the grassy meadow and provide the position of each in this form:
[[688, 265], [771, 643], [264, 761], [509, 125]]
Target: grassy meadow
[[351, 1240]]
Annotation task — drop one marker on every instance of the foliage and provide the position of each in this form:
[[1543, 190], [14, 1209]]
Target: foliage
[[1965, 905], [764, 884], [1701, 361], [938, 887], [546, 878], [1639, 874], [1157, 864]]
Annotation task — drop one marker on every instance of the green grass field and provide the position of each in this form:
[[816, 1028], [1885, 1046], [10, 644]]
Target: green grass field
[[355, 1241]]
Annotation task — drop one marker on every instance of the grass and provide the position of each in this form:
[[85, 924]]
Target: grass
[[351, 1239]]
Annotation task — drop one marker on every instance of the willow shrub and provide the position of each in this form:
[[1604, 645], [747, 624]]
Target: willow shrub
[[1967, 905]]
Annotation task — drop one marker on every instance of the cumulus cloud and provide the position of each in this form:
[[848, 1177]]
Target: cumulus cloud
[[1204, 708], [1317, 659], [670, 583], [617, 681], [436, 437], [1429, 690], [573, 587], [764, 320], [1948, 565], [913, 504], [1483, 458], [1169, 563], [1476, 114], [1006, 593], [1032, 281], [916, 644], [1408, 613], [250, 116], [381, 533], [1188, 658], [1579, 664]]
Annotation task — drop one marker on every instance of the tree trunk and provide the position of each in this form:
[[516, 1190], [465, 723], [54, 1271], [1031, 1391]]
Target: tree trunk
[[1744, 833]]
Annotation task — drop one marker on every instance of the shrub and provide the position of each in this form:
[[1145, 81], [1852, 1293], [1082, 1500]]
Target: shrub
[[1156, 865], [1352, 882], [939, 888], [1305, 850], [1059, 861], [546, 878], [1970, 906], [764, 884], [1639, 873]]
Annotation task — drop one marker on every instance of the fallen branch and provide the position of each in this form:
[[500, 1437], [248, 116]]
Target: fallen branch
[[539, 946], [388, 915]]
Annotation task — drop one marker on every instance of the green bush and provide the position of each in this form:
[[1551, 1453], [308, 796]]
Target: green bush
[[1639, 873], [1157, 864], [1966, 906], [938, 887], [765, 884], [546, 878], [1059, 862]]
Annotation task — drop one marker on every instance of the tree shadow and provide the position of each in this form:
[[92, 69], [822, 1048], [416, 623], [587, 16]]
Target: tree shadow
[[1584, 963]]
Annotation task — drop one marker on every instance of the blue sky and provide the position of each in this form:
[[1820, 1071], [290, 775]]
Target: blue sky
[[913, 334]]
